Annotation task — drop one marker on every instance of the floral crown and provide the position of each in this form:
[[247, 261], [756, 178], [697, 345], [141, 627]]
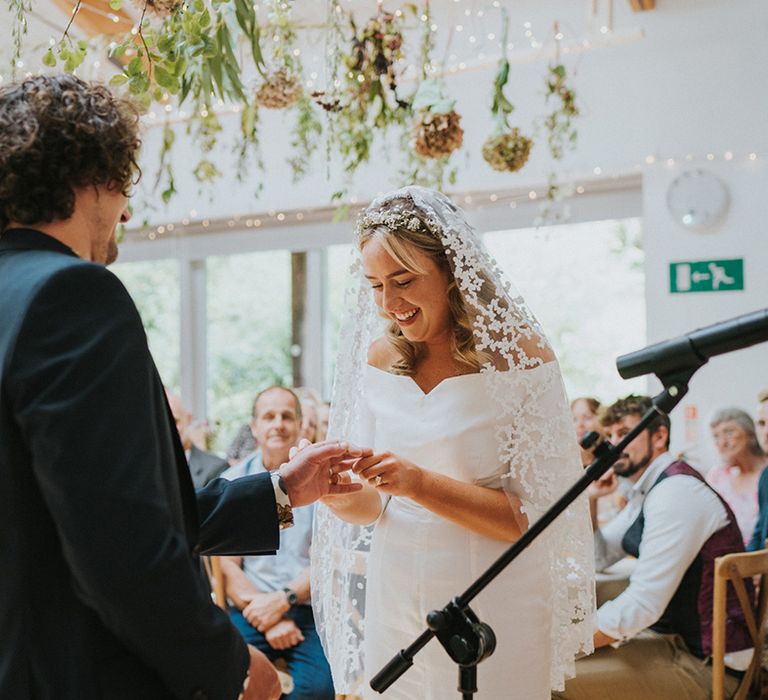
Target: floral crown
[[392, 219]]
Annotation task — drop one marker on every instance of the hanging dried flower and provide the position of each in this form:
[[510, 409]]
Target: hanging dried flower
[[437, 134], [507, 152], [508, 149], [279, 90], [160, 8], [437, 131], [374, 52]]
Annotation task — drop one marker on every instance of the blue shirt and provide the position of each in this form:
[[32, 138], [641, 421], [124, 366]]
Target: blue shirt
[[274, 572]]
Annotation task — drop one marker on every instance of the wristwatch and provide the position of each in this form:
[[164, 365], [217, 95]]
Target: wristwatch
[[283, 503], [291, 596]]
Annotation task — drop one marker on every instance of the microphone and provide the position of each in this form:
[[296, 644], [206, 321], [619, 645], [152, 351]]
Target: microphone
[[691, 351]]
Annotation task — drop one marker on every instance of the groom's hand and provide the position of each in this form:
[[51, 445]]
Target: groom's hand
[[313, 471]]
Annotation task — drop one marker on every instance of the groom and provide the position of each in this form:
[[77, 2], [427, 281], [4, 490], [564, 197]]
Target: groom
[[100, 529]]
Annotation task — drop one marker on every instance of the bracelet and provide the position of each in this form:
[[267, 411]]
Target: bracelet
[[284, 510]]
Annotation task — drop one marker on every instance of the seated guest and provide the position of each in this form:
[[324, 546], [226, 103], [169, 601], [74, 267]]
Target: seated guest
[[736, 479], [242, 445], [309, 421], [269, 595], [584, 412], [761, 423], [203, 466], [585, 420], [760, 533], [310, 403], [675, 524]]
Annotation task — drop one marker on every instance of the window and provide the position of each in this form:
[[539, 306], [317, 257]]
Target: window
[[338, 259], [154, 287], [585, 284], [249, 334]]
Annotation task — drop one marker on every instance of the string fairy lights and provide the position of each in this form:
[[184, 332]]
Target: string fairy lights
[[499, 197], [472, 44]]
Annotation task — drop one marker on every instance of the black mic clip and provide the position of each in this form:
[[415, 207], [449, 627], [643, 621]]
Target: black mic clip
[[466, 639], [589, 440]]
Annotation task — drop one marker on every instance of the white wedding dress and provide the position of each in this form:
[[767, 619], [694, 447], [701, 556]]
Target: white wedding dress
[[419, 561], [507, 427]]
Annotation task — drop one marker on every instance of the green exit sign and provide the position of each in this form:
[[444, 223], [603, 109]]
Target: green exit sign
[[706, 276]]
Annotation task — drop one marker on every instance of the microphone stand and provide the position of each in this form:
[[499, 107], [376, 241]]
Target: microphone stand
[[467, 639]]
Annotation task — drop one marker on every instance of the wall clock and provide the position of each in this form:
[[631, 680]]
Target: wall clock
[[697, 199]]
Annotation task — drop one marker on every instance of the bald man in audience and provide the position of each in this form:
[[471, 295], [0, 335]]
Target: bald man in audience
[[269, 595]]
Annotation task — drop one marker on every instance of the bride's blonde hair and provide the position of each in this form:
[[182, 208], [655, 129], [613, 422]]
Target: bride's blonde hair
[[407, 231]]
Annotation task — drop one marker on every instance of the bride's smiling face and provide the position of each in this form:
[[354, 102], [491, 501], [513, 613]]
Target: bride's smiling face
[[414, 296]]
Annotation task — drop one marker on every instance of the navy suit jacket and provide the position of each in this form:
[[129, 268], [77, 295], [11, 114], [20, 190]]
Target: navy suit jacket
[[100, 529]]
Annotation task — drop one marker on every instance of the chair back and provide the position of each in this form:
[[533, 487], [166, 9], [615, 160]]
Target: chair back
[[733, 569], [216, 579]]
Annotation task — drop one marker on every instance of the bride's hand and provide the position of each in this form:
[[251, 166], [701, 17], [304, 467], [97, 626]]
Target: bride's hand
[[390, 473], [341, 478]]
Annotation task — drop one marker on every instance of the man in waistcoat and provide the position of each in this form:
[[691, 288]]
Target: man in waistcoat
[[652, 640]]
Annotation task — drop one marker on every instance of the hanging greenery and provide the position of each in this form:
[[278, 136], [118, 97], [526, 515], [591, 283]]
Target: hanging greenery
[[508, 149], [281, 85], [306, 135], [19, 9], [206, 60], [561, 132], [161, 8], [364, 98], [418, 169], [561, 135]]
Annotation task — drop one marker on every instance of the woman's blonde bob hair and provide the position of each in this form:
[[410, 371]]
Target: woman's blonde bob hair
[[401, 243]]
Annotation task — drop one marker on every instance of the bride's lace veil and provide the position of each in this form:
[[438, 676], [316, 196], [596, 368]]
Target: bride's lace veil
[[535, 443]]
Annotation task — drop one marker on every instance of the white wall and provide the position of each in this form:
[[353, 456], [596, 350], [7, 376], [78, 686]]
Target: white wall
[[727, 380]]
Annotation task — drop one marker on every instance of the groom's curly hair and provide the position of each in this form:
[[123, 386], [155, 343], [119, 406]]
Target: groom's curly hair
[[59, 134]]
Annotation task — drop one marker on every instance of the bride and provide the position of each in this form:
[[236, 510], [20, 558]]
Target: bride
[[460, 396]]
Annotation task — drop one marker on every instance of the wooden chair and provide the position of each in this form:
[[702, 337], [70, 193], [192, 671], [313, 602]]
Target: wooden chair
[[218, 593], [734, 568], [216, 578]]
